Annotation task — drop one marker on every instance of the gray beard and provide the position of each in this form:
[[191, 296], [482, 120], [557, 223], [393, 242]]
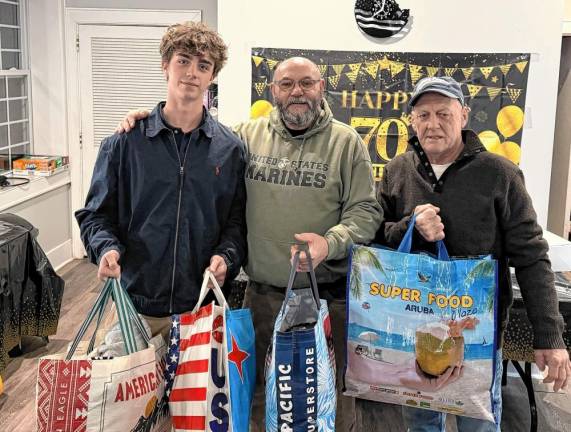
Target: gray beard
[[300, 120]]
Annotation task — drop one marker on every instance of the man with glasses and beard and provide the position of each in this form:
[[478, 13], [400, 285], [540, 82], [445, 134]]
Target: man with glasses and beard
[[308, 181]]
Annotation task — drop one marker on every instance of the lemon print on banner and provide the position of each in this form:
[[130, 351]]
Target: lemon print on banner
[[509, 122], [260, 108]]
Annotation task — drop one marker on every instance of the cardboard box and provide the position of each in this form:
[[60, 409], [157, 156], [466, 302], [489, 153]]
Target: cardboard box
[[36, 164], [39, 173]]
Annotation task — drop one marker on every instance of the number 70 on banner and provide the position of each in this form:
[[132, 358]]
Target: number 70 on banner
[[384, 142]]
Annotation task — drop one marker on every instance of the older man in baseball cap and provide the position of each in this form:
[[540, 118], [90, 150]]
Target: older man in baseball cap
[[477, 202]]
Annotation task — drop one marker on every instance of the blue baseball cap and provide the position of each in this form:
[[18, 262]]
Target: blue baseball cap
[[444, 85]]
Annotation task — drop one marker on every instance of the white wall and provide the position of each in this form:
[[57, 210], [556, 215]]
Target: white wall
[[46, 54], [438, 26], [560, 193]]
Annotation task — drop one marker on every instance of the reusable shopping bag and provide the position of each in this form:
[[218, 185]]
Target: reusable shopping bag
[[75, 393], [211, 366], [421, 331], [300, 366]]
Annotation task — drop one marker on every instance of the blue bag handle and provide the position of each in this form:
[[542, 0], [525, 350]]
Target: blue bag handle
[[406, 243]]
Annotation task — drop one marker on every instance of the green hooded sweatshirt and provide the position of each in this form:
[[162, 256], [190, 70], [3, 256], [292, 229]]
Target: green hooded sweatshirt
[[320, 182]]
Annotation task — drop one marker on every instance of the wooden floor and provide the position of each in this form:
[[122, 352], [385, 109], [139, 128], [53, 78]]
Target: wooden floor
[[17, 403]]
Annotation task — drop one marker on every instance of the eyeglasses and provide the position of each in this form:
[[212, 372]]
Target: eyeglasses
[[288, 85]]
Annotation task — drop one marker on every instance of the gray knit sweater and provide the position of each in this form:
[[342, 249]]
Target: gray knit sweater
[[485, 209]]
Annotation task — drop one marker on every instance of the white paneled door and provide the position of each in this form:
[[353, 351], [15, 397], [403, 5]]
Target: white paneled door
[[119, 70]]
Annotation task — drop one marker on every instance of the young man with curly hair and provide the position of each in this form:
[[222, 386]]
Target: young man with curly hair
[[167, 199]]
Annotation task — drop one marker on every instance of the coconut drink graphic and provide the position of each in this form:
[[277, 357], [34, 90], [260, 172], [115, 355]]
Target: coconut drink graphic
[[436, 349], [440, 345]]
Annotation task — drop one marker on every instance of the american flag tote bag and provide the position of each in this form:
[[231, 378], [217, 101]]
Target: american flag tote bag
[[211, 383], [198, 391]]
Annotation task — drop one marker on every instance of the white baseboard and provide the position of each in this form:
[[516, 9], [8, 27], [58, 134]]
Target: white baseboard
[[60, 255]]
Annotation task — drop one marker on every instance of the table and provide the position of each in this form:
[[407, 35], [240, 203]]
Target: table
[[518, 340], [30, 290]]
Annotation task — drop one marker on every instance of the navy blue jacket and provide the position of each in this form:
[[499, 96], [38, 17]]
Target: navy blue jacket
[[167, 214]]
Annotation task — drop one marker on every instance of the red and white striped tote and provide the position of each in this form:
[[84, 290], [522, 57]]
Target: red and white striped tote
[[199, 399]]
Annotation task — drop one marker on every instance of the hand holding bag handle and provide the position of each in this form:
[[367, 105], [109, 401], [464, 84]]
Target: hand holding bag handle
[[312, 279], [208, 276], [406, 243]]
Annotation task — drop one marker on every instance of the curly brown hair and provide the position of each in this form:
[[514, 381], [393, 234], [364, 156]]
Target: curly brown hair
[[194, 39]]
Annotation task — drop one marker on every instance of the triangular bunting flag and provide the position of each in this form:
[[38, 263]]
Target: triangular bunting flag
[[352, 75], [474, 89], [260, 87], [355, 66], [384, 63], [338, 68], [415, 73], [467, 72], [257, 60], [514, 93], [486, 71], [521, 66], [272, 63], [431, 70], [505, 68], [322, 69], [396, 68], [450, 71], [493, 92], [372, 68], [334, 80]]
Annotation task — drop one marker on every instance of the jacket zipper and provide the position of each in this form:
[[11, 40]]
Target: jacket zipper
[[180, 186]]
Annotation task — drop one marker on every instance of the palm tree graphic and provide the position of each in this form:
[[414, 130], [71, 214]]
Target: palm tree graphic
[[484, 269], [364, 259]]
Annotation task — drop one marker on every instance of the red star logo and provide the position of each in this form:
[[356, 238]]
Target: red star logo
[[237, 356]]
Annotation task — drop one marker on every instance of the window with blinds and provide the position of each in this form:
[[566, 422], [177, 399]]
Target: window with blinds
[[126, 74]]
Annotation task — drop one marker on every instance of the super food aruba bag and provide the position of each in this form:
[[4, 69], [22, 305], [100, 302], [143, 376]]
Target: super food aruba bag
[[421, 331]]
